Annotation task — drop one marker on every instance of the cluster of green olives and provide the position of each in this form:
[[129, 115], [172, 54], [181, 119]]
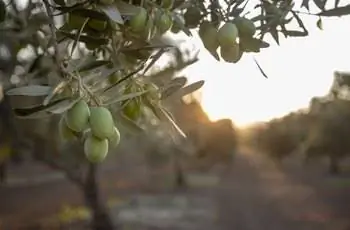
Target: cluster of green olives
[[96, 125], [149, 24], [231, 37]]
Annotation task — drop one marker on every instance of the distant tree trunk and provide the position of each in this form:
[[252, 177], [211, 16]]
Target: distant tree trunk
[[3, 172], [180, 180], [100, 216], [333, 164]]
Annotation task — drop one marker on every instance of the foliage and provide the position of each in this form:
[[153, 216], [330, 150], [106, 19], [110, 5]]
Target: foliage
[[322, 131]]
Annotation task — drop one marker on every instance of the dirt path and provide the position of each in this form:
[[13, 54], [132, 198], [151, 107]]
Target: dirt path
[[259, 196], [256, 195]]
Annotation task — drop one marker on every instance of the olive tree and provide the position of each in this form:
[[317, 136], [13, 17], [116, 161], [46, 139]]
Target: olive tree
[[91, 60], [329, 132]]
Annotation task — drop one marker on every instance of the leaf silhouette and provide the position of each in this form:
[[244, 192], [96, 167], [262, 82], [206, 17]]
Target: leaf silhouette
[[336, 12], [261, 70]]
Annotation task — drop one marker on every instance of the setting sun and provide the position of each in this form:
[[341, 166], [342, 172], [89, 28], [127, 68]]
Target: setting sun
[[298, 70]]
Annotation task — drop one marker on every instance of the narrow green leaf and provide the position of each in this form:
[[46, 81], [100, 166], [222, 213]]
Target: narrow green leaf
[[274, 34], [261, 70], [319, 23], [63, 106], [129, 124], [180, 22], [300, 22], [155, 58], [92, 65], [75, 64], [305, 4], [87, 13], [78, 36], [258, 18], [126, 8], [173, 123], [2, 11], [147, 47], [336, 3], [59, 2], [38, 110], [109, 71], [31, 90], [175, 85], [85, 38], [125, 97], [295, 33], [187, 90], [320, 4], [59, 87], [152, 107], [336, 12], [113, 13], [124, 78]]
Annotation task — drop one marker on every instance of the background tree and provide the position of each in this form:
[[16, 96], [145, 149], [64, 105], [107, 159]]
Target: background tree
[[329, 124]]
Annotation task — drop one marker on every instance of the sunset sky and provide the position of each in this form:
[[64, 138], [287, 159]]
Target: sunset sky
[[298, 69]]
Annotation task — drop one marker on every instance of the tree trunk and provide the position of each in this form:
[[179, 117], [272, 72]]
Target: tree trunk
[[3, 172], [333, 164], [100, 216], [180, 180]]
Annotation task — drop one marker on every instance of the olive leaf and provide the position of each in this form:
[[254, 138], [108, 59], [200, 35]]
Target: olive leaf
[[75, 64], [126, 9], [180, 22], [76, 40], [295, 33], [274, 34], [152, 107], [155, 58], [187, 90], [39, 111], [60, 86], [87, 13], [84, 38], [175, 85], [124, 98], [59, 2], [2, 11], [260, 69], [105, 73], [63, 106], [336, 3], [168, 117], [31, 90], [92, 65], [305, 4], [319, 24], [129, 124], [320, 4], [113, 13], [336, 12]]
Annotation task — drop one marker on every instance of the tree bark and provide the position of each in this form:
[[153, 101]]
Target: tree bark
[[100, 216], [3, 172], [333, 165], [180, 180]]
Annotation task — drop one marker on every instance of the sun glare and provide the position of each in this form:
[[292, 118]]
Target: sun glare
[[298, 70]]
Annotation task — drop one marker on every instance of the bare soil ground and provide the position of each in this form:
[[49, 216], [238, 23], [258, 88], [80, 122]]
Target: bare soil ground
[[254, 195]]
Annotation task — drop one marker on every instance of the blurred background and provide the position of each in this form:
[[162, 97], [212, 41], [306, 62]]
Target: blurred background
[[261, 153]]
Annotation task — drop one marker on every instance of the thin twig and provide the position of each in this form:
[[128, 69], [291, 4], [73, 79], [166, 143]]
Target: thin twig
[[53, 36], [306, 13]]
